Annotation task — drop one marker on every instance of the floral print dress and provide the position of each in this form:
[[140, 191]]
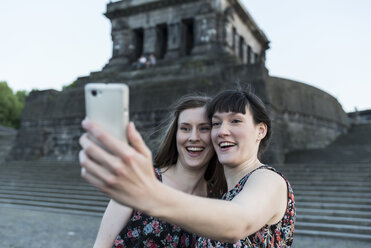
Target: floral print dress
[[279, 235], [146, 231]]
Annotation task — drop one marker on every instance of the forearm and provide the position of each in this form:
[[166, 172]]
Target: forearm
[[215, 219], [114, 219]]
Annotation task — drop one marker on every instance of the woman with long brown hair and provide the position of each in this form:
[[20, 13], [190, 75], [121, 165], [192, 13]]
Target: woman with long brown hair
[[185, 161]]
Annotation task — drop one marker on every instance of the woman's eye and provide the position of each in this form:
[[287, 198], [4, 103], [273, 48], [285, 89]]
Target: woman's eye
[[205, 128], [184, 128], [236, 121], [215, 124]]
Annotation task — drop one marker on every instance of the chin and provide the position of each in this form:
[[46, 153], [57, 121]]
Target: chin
[[230, 162], [194, 164]]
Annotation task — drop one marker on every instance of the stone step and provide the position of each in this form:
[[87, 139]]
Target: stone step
[[72, 182], [327, 164], [322, 183], [334, 206], [43, 204], [54, 210], [333, 212], [333, 227], [54, 200], [335, 179], [78, 187], [51, 179], [336, 188], [58, 190], [304, 193], [329, 234], [40, 163], [60, 195], [361, 201], [352, 172], [334, 220]]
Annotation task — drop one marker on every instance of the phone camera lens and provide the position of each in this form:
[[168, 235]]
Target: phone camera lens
[[94, 92]]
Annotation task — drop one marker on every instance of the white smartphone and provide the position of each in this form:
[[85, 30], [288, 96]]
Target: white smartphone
[[108, 106]]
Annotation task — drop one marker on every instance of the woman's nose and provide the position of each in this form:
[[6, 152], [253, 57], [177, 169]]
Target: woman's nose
[[223, 130], [194, 135]]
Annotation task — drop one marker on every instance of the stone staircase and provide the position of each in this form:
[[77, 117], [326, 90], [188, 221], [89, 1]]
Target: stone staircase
[[332, 187], [49, 186]]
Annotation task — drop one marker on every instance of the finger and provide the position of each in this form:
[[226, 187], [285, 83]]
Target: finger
[[113, 144], [93, 180], [137, 141], [100, 173], [99, 155]]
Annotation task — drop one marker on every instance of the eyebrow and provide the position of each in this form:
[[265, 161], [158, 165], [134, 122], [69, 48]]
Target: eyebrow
[[186, 123], [229, 114]]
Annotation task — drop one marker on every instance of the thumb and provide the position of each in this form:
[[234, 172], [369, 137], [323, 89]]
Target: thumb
[[136, 140]]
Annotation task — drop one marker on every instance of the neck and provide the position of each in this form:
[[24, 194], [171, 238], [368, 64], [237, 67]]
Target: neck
[[188, 180], [234, 174]]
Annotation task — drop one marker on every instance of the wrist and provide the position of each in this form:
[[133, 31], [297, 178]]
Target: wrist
[[157, 200]]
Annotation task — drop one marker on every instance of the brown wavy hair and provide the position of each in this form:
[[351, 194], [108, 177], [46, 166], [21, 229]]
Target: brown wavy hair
[[167, 154]]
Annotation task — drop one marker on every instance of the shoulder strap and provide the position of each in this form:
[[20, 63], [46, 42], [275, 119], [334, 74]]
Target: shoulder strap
[[158, 174]]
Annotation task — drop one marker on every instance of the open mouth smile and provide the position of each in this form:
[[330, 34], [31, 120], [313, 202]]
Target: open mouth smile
[[225, 145], [194, 149]]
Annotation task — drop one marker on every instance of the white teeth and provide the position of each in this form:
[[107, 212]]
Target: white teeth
[[195, 149], [225, 144]]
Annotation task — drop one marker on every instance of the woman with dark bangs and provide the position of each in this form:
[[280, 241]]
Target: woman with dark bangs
[[185, 161], [258, 210]]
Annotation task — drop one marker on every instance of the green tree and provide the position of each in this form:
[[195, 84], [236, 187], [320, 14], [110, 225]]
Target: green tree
[[11, 105]]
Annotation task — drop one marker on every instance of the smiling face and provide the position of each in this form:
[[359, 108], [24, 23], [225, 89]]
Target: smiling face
[[193, 138], [236, 137]]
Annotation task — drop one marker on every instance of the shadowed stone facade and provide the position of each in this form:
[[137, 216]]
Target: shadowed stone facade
[[172, 29], [202, 46]]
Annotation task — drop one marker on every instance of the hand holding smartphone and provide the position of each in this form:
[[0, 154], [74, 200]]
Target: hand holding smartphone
[[108, 106]]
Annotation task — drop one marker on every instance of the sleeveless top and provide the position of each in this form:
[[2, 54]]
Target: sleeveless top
[[269, 236], [146, 231]]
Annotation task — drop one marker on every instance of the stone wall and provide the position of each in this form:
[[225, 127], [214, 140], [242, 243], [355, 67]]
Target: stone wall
[[303, 116], [50, 126], [7, 138]]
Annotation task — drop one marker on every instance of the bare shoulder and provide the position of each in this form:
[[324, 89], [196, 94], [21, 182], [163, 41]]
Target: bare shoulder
[[267, 179]]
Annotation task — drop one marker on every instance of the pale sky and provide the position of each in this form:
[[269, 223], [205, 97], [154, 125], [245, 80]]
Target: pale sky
[[324, 43]]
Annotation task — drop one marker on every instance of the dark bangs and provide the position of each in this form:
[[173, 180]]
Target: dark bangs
[[228, 101]]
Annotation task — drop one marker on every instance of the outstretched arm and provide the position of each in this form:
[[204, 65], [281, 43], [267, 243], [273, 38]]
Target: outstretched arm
[[127, 176], [114, 219]]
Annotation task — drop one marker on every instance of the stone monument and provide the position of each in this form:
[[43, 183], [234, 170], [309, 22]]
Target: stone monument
[[202, 46]]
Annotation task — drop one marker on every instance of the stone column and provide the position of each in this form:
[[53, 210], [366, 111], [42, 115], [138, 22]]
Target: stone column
[[149, 45], [252, 56], [244, 52], [174, 41], [204, 33], [122, 47], [236, 43], [122, 42], [228, 37]]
